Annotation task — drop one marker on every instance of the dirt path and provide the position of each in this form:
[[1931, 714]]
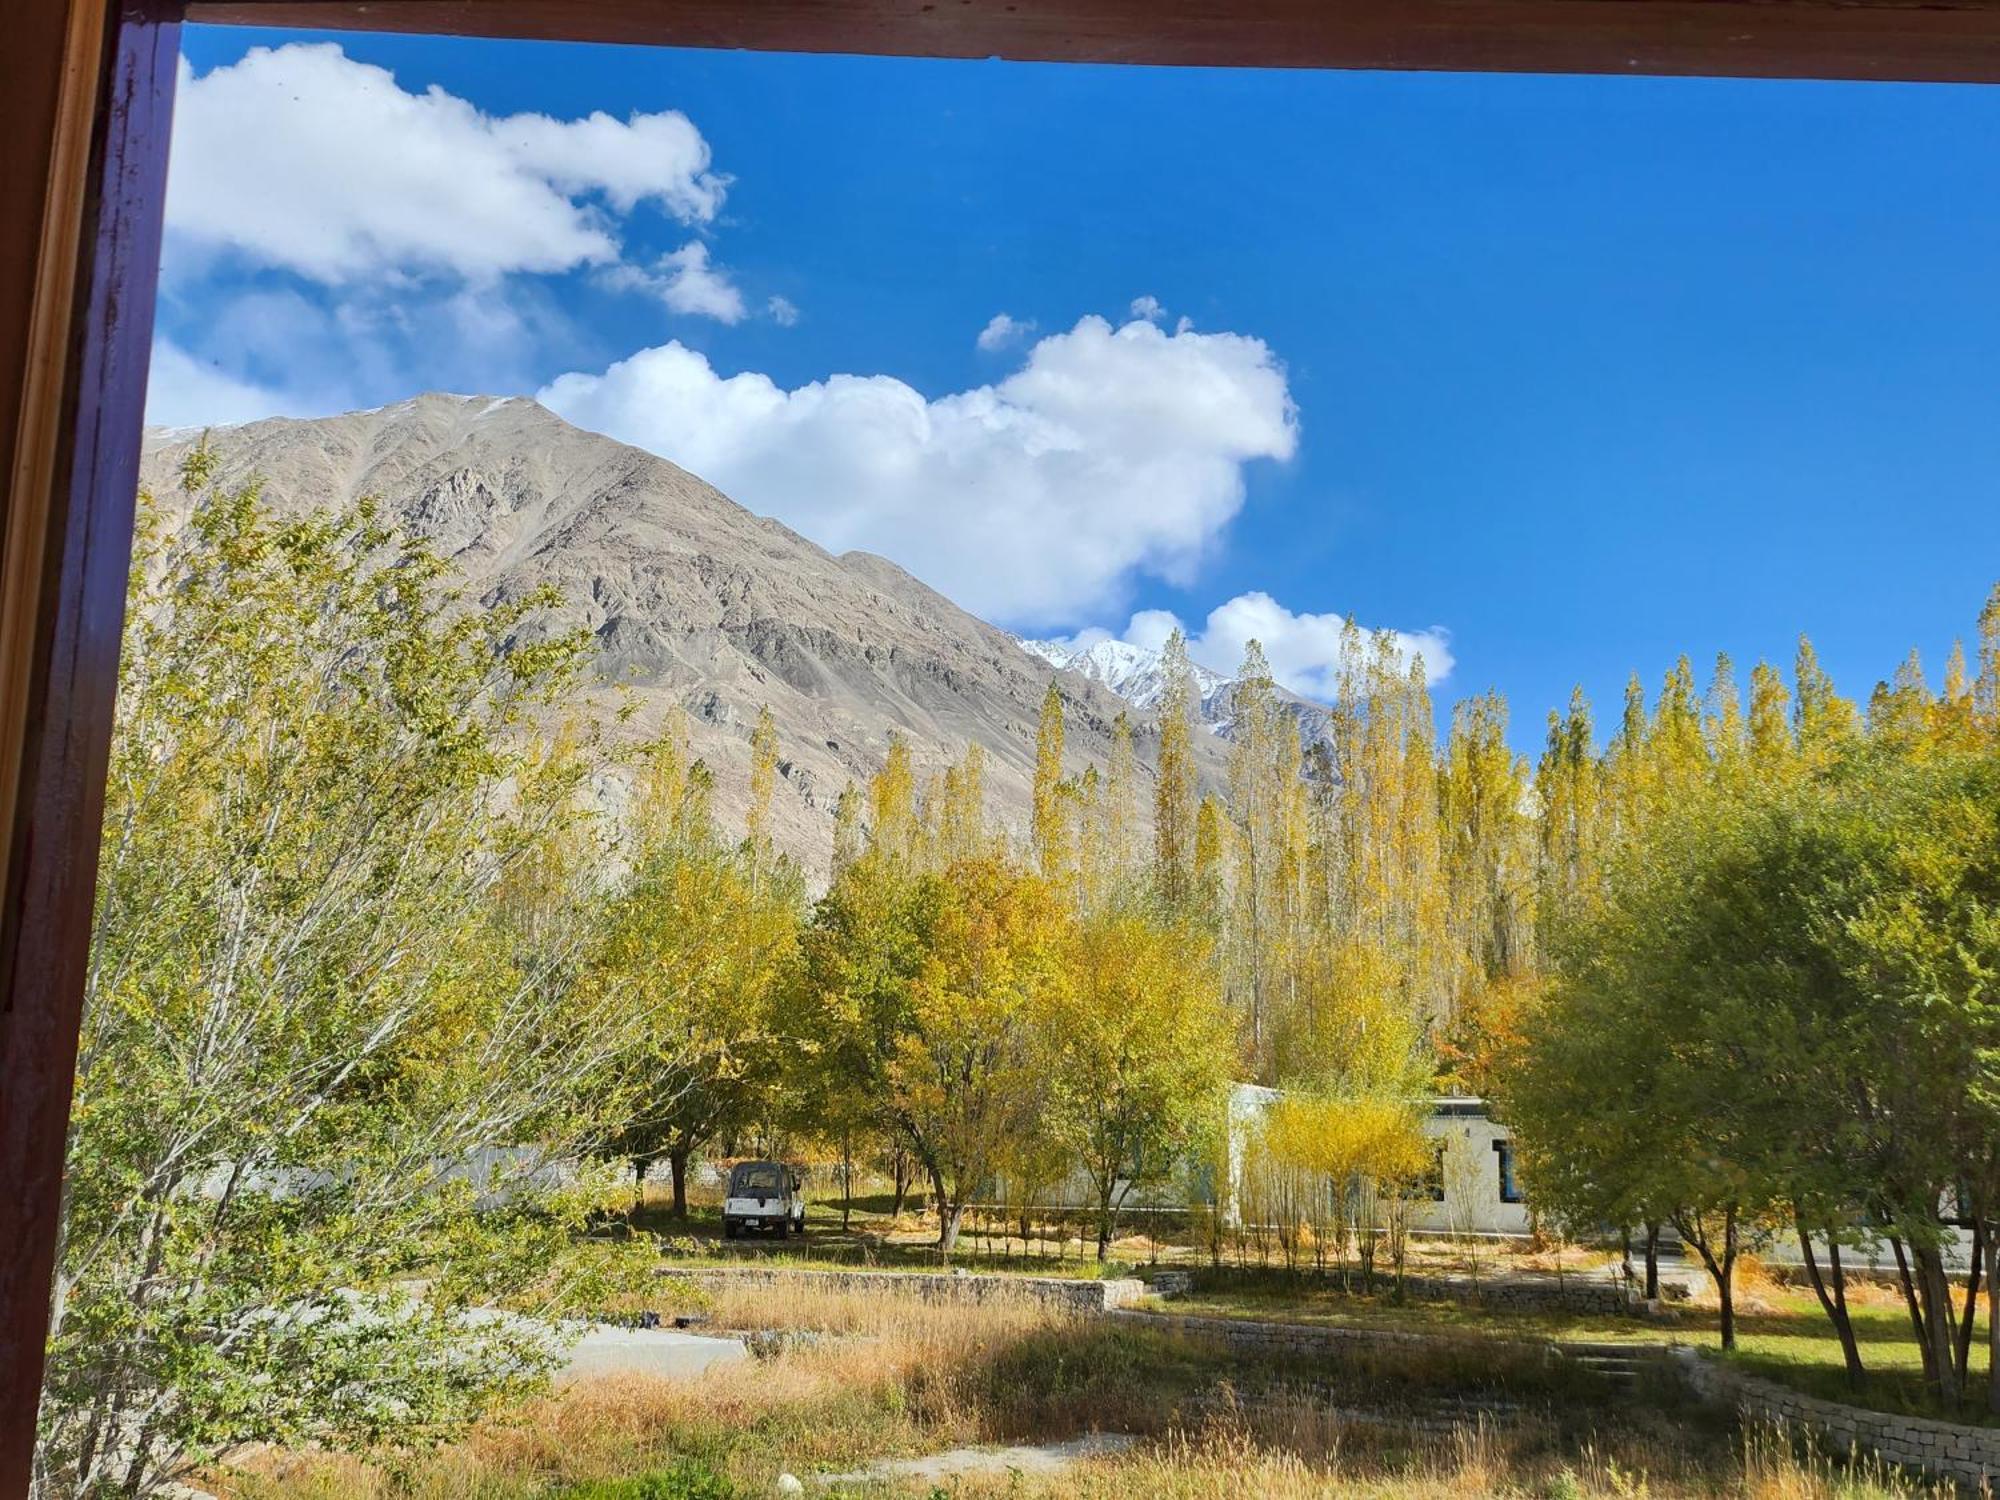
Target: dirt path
[[1028, 1458]]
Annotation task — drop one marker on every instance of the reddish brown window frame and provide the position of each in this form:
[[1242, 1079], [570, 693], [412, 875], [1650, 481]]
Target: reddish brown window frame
[[86, 95]]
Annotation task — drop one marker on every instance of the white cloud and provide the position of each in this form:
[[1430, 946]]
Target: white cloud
[[1148, 309], [1111, 451], [784, 312], [1304, 649], [687, 282], [302, 158], [182, 391], [1002, 330]]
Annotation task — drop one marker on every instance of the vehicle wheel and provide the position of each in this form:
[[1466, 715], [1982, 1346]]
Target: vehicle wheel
[[728, 1230]]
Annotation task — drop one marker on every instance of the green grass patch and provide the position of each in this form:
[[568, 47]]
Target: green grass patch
[[1781, 1334]]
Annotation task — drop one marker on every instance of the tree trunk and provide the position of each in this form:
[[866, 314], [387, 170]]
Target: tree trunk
[[677, 1160], [1104, 1224], [1722, 1272], [1726, 1283], [1915, 1309], [1993, 1321], [1964, 1330], [638, 1186], [948, 1213], [1840, 1290], [1835, 1308], [1934, 1287], [899, 1166], [949, 1218], [846, 1179], [1652, 1260]]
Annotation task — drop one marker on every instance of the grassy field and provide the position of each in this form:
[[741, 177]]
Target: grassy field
[[1781, 1331], [888, 1376]]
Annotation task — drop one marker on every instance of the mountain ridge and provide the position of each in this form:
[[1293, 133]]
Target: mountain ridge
[[691, 598]]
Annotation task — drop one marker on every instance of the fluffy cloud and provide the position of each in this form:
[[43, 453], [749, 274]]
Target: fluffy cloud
[[1303, 649], [182, 391], [784, 312], [686, 282], [302, 158], [1002, 330], [1148, 309], [1111, 451]]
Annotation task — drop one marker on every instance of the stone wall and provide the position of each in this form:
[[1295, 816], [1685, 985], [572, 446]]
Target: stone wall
[[1070, 1294], [1306, 1340], [1967, 1455], [1573, 1294]]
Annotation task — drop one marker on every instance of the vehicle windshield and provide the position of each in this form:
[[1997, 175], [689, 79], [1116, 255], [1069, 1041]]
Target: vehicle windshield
[[762, 1178]]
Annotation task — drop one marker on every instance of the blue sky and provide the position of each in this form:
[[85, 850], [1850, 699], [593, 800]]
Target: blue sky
[[1560, 377]]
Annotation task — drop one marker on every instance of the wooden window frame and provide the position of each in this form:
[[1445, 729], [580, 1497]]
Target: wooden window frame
[[86, 98]]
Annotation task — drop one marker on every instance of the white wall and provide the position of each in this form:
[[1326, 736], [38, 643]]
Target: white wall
[[1473, 1202]]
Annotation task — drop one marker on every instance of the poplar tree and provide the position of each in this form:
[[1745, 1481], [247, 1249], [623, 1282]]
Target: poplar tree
[[1055, 855], [1569, 791], [1986, 687], [1120, 829], [1772, 748], [961, 813], [1825, 721], [1175, 793], [893, 793], [763, 784], [846, 828], [1255, 807]]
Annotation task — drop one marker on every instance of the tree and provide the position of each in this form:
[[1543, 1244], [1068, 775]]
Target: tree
[[956, 1069], [330, 1007], [1796, 980], [1175, 792], [846, 828], [922, 984], [708, 932], [1136, 1050], [763, 784], [1055, 854]]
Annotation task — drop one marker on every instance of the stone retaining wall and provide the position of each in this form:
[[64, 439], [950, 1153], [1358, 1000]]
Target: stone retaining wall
[[1967, 1455], [1070, 1294], [1307, 1340], [1541, 1293], [1570, 1294]]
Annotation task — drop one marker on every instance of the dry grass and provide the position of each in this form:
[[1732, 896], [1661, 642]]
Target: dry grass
[[1225, 1462], [892, 1375]]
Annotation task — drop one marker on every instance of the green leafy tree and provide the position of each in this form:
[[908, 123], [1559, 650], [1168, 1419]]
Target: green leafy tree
[[707, 933], [330, 1007], [1135, 1055]]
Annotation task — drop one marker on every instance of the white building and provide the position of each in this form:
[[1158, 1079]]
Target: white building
[[1472, 1189]]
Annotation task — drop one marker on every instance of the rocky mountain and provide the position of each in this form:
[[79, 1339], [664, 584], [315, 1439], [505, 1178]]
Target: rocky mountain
[[692, 599], [1138, 675]]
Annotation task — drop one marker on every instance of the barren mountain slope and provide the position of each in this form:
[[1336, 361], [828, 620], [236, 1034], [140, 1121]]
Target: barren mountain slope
[[692, 598]]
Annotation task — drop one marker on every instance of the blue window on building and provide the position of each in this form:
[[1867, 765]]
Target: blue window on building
[[1510, 1192]]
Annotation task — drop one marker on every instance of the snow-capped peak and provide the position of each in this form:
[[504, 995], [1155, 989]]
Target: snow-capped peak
[[1135, 673], [1055, 653]]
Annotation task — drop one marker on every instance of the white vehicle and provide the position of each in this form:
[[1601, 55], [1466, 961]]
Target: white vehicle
[[764, 1195]]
